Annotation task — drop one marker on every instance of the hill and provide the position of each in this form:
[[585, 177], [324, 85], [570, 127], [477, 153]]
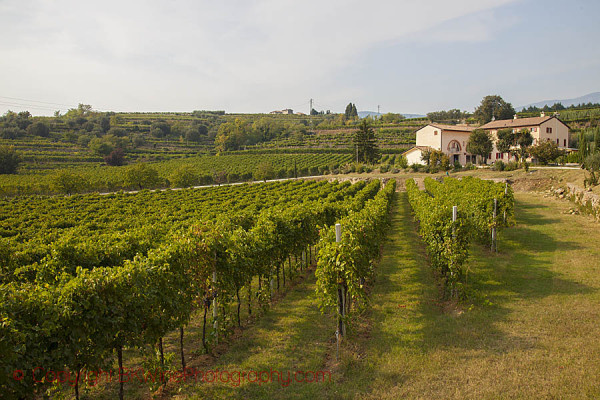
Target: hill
[[588, 98], [363, 114]]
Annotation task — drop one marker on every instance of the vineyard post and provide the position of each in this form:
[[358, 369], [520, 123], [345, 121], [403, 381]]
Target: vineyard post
[[304, 258], [505, 193], [216, 322], [494, 244], [454, 218], [341, 305]]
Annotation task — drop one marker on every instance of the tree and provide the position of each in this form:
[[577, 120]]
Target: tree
[[9, 160], [480, 143], [506, 139], [264, 171], [546, 152], [142, 176], [184, 176], [351, 111], [118, 132], [592, 165], [436, 160], [38, 129], [160, 129], [68, 182], [493, 107], [524, 140], [195, 132], [100, 146], [451, 116], [366, 144], [115, 158]]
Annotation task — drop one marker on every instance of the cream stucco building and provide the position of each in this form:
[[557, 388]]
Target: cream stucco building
[[452, 139], [542, 128]]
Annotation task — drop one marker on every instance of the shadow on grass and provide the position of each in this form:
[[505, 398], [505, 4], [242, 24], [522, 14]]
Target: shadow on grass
[[523, 270]]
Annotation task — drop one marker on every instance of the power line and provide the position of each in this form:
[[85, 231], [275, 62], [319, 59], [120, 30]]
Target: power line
[[37, 101], [32, 106]]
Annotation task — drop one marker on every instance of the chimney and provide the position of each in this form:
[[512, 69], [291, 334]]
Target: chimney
[[493, 118], [542, 114], [515, 116]]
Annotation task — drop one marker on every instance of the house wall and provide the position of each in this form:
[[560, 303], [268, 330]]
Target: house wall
[[413, 156], [426, 137], [462, 138], [559, 131]]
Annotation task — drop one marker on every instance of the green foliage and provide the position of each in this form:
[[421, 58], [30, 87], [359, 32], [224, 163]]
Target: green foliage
[[450, 116], [184, 176], [38, 129], [592, 165], [366, 145], [447, 240], [480, 143], [9, 160], [351, 111], [493, 107], [100, 146], [67, 182], [348, 264], [264, 171], [436, 160], [142, 176], [546, 152], [109, 281]]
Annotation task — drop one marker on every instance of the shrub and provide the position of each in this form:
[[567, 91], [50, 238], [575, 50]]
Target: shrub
[[9, 160], [402, 162], [511, 166], [115, 158], [499, 165]]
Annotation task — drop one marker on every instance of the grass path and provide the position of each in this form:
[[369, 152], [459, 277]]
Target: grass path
[[531, 332]]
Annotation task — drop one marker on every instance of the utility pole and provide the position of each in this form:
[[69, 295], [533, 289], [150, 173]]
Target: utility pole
[[378, 109], [311, 107]]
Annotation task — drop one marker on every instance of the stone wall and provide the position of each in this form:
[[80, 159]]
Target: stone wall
[[584, 199]]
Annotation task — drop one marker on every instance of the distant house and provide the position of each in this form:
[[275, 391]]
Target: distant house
[[543, 128], [452, 139], [287, 111]]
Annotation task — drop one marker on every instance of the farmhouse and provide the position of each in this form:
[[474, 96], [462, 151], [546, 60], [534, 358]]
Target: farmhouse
[[543, 128], [452, 139]]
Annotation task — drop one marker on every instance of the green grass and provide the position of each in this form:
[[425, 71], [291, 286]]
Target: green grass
[[532, 334]]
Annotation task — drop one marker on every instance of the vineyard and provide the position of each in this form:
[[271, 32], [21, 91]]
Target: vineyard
[[454, 213], [84, 277], [203, 170]]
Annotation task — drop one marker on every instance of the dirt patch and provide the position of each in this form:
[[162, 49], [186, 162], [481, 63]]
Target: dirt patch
[[532, 184]]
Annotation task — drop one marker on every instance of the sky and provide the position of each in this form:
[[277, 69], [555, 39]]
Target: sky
[[255, 56]]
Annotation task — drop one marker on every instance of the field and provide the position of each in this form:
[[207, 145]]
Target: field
[[532, 334]]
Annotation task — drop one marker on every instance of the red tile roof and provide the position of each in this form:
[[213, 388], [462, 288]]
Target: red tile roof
[[516, 123]]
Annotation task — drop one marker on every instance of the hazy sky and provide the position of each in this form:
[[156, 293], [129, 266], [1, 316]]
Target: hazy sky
[[410, 56]]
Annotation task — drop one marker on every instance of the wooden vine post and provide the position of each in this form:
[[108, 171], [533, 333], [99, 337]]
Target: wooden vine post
[[494, 244], [341, 299], [215, 314]]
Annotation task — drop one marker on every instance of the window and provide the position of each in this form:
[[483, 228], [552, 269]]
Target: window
[[435, 133], [548, 130], [565, 143], [490, 156], [534, 129], [556, 141]]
